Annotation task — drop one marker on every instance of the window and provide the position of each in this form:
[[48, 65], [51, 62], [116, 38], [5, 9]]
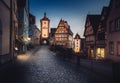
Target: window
[[111, 26], [56, 38], [111, 48], [59, 35], [44, 22], [117, 24], [100, 52], [118, 48], [44, 34], [61, 30], [92, 53], [77, 42]]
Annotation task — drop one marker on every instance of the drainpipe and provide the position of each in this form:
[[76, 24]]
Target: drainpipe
[[11, 29]]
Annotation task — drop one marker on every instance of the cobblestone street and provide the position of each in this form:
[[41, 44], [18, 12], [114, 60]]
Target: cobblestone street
[[43, 66]]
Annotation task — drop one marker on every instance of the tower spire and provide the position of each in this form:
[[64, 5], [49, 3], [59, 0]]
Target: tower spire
[[45, 14]]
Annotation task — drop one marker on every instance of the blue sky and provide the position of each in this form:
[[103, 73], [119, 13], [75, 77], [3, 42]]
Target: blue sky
[[73, 11]]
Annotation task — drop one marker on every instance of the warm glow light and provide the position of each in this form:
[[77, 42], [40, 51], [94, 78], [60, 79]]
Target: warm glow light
[[29, 39], [76, 50], [100, 52], [25, 39], [16, 48], [92, 53], [23, 57], [103, 52]]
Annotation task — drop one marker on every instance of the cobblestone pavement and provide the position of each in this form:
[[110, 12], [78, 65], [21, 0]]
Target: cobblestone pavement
[[43, 66]]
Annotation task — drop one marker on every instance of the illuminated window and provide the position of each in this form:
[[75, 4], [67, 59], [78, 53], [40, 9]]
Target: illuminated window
[[91, 53], [56, 39], [59, 35], [59, 39], [100, 52]]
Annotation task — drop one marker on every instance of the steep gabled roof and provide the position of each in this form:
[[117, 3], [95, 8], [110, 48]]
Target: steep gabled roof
[[103, 18], [114, 6], [77, 36], [111, 3], [94, 21], [105, 12], [66, 25]]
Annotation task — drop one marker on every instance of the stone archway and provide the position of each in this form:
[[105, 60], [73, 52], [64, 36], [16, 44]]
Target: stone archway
[[44, 41]]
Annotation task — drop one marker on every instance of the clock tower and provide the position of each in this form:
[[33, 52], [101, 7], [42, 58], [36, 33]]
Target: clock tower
[[45, 26]]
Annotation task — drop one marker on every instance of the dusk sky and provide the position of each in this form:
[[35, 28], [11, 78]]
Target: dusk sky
[[72, 11]]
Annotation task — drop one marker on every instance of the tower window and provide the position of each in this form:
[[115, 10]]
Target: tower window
[[44, 34], [44, 22]]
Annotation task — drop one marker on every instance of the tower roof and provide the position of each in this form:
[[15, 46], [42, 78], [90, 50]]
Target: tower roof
[[45, 17], [77, 36], [66, 25]]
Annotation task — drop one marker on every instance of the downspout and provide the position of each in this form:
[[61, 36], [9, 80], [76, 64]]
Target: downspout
[[10, 49]]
